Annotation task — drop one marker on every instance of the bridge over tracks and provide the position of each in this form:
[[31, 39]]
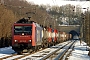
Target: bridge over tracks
[[73, 29]]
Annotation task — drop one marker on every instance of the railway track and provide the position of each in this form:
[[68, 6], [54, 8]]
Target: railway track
[[59, 53], [15, 56], [52, 53]]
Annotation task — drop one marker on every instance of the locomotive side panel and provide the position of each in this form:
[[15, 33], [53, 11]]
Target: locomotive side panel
[[38, 35], [33, 35]]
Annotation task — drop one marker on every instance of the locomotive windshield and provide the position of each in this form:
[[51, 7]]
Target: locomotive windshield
[[23, 29]]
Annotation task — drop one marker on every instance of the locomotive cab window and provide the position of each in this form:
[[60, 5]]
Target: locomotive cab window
[[23, 29]]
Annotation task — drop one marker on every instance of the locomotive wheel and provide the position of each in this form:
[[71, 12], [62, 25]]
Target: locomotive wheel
[[30, 50], [38, 47], [42, 46], [48, 45], [34, 49], [19, 52], [45, 45], [53, 44]]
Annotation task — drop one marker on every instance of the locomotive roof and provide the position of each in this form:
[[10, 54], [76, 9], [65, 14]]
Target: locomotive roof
[[23, 20], [26, 21]]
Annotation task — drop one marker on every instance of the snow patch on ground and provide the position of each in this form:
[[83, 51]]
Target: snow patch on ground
[[6, 51], [79, 52]]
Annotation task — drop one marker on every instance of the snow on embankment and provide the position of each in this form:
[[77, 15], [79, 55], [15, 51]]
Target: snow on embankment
[[79, 52], [6, 51]]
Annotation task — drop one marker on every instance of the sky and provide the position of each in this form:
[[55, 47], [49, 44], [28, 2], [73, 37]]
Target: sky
[[84, 4]]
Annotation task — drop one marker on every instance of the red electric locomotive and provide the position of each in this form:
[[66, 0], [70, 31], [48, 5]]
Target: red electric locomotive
[[25, 35], [31, 36]]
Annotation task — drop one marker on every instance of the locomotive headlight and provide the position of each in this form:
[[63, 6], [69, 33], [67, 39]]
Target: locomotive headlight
[[16, 40], [29, 40]]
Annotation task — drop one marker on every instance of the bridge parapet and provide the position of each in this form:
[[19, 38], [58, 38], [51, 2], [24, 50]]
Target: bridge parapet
[[68, 28]]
